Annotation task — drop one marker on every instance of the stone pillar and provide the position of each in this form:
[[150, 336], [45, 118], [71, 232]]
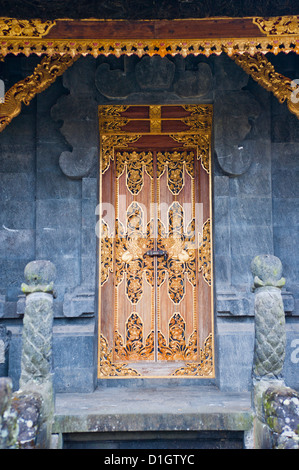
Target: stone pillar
[[270, 339], [36, 360], [270, 334]]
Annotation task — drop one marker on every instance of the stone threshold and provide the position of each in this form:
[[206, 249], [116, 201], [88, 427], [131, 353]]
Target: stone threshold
[[121, 409]]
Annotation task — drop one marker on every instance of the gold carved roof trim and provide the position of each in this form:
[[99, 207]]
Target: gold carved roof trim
[[172, 47], [14, 28], [278, 25], [89, 37]]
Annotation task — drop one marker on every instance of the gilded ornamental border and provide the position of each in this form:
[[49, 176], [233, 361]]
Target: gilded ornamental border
[[140, 48], [277, 34], [59, 50]]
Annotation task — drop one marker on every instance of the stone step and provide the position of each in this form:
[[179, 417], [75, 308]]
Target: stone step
[[203, 415]]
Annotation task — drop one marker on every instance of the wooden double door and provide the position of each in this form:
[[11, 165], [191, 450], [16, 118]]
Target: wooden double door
[[155, 247]]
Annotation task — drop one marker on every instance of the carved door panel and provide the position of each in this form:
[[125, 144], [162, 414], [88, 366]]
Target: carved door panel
[[155, 293]]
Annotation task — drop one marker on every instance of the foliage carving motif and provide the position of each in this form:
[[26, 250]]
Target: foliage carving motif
[[25, 90]]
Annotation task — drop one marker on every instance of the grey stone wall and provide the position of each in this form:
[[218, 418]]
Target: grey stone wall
[[49, 193], [285, 191]]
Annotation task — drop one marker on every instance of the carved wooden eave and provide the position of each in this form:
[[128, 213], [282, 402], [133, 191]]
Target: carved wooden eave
[[62, 41], [121, 37]]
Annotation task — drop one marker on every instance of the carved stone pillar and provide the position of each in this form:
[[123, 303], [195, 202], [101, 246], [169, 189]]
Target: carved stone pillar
[[36, 361], [270, 334], [269, 347]]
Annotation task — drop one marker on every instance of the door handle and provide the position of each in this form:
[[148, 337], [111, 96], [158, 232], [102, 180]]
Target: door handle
[[157, 253]]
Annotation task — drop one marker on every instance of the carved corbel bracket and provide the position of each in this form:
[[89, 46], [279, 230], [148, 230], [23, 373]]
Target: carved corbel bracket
[[25, 90], [263, 72]]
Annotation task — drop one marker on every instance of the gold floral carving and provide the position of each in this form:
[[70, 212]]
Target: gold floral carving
[[201, 142], [278, 25], [196, 124], [110, 118], [25, 90], [111, 111], [178, 349], [135, 163], [200, 119], [106, 252], [180, 248], [202, 111], [202, 368], [175, 163], [130, 246], [134, 348], [12, 27], [109, 142], [113, 125], [204, 252], [263, 72], [109, 369]]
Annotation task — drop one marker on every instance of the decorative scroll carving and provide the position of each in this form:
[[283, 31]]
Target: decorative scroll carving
[[109, 141], [135, 163], [175, 162], [278, 25], [180, 248], [25, 90], [263, 72], [134, 348], [106, 252], [204, 367], [113, 125], [200, 119], [112, 111], [110, 119], [200, 110], [196, 124], [204, 252], [12, 27], [109, 369], [130, 246], [201, 142], [177, 349]]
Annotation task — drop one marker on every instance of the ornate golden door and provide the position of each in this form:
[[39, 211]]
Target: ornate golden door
[[155, 246]]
